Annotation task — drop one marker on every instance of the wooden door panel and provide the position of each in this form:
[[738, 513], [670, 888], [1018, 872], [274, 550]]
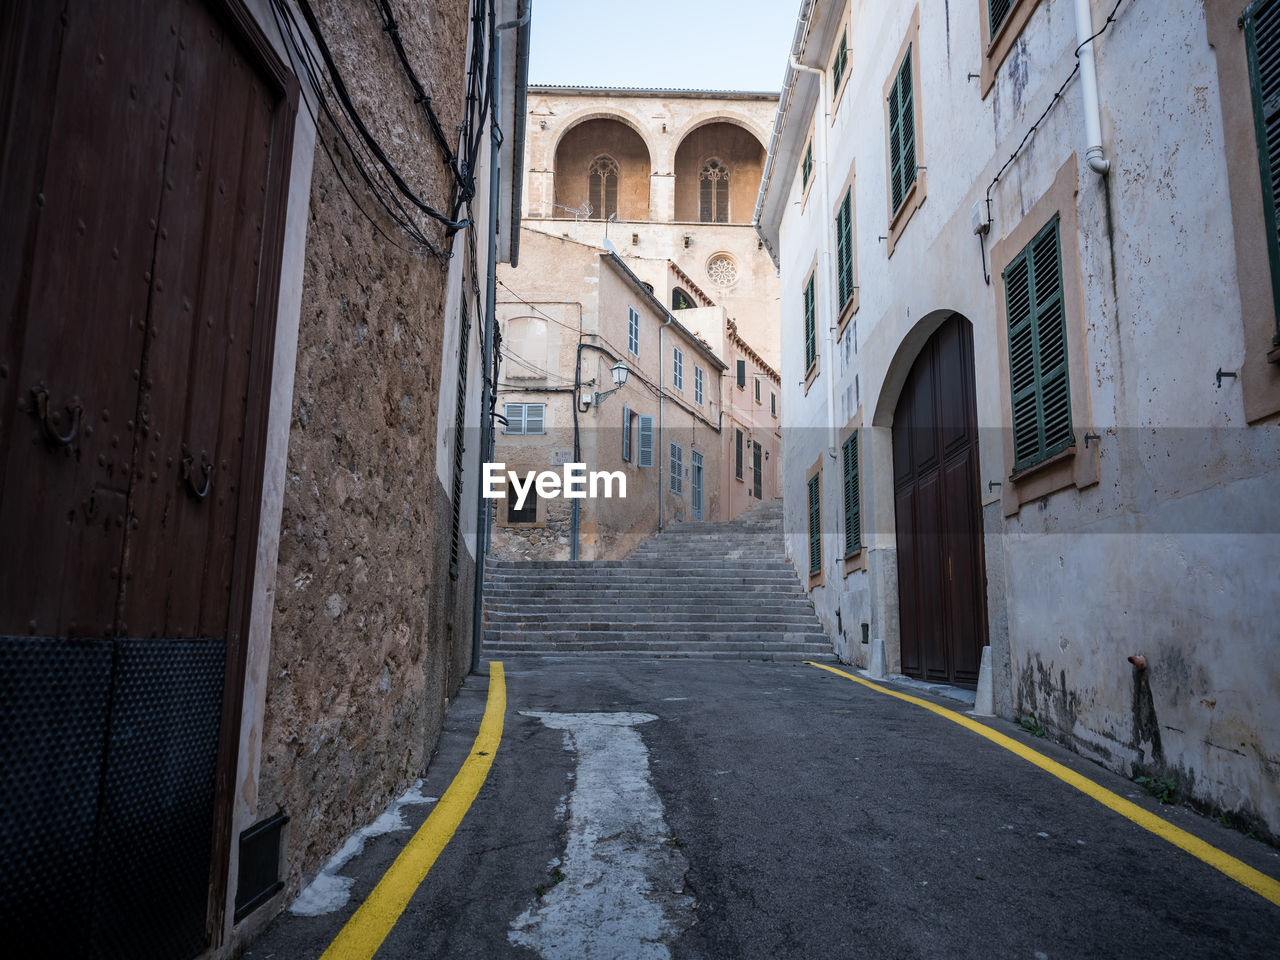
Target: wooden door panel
[[964, 588], [931, 574], [75, 284], [908, 582]]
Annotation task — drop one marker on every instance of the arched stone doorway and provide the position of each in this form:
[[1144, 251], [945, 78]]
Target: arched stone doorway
[[602, 169], [938, 512]]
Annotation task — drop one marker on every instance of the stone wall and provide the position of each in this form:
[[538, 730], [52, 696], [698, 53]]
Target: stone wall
[[363, 655]]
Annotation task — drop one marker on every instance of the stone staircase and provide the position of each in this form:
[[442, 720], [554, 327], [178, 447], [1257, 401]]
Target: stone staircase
[[704, 590]]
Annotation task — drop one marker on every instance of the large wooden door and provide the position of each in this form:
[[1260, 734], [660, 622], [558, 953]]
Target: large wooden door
[[142, 169], [941, 574]]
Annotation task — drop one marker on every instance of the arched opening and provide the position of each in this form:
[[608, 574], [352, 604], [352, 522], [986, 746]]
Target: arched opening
[[718, 168], [938, 511], [680, 300], [602, 169]]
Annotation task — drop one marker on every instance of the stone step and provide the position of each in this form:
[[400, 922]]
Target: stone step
[[641, 638], [515, 622]]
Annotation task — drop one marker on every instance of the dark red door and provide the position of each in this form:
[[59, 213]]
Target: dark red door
[[141, 174], [941, 576]]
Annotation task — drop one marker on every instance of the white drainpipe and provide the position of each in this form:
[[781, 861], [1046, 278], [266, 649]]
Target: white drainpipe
[[1096, 159], [824, 265]]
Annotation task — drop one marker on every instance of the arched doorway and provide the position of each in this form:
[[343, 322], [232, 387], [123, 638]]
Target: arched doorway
[[938, 512]]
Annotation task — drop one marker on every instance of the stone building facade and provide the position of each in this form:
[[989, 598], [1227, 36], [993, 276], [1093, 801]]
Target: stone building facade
[[661, 183], [302, 340], [1030, 387]]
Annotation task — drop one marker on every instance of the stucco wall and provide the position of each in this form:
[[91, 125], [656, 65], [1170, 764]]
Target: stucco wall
[[1158, 542], [369, 634]]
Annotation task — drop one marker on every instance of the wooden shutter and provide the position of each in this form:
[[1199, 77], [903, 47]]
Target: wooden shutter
[[842, 60], [1040, 390], [697, 385], [844, 247], [742, 373], [737, 454], [852, 504], [459, 423], [810, 327], [633, 331], [997, 11], [1262, 41], [677, 469], [815, 523], [902, 135], [806, 167], [677, 368], [535, 418], [626, 434], [646, 440]]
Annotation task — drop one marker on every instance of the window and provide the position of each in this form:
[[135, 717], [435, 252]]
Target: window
[[1040, 394], [806, 166], [626, 434], [633, 331], [1262, 41], [902, 136], [742, 374], [602, 192], [815, 524], [459, 421], [528, 513], [713, 192], [677, 368], [677, 469], [997, 13], [844, 249], [680, 300], [852, 504], [757, 381], [697, 385], [526, 418], [773, 404], [737, 454], [810, 326], [840, 63], [645, 454]]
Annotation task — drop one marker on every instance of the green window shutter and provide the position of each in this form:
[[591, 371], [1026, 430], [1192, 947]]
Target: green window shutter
[[852, 504], [997, 12], [737, 454], [844, 248], [742, 373], [1262, 41], [842, 61], [806, 168], [902, 135], [815, 523], [810, 326], [1040, 389]]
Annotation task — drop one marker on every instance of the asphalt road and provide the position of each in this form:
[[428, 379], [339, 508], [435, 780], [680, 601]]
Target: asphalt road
[[757, 810]]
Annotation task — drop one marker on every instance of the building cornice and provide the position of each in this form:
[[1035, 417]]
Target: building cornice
[[736, 338]]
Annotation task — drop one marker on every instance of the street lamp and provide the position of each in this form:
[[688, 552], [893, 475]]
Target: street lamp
[[619, 371]]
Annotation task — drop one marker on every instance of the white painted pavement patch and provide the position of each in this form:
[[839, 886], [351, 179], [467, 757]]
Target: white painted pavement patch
[[623, 891]]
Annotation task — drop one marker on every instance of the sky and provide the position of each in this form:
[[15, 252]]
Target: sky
[[700, 44]]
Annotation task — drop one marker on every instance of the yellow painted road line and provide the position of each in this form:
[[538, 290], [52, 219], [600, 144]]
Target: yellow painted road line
[[369, 925], [1261, 884]]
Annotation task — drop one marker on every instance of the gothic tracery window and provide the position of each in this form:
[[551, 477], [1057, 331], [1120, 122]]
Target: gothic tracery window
[[602, 192], [713, 192]]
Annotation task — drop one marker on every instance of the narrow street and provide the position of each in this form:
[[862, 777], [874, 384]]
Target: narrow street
[[802, 815]]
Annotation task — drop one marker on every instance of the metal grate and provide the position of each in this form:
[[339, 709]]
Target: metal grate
[[53, 721], [157, 800]]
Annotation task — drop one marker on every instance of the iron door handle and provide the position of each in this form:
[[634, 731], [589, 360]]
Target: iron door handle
[[189, 476], [40, 396]]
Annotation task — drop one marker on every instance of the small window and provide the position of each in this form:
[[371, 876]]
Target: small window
[[810, 326], [528, 513], [677, 469], [1040, 391], [680, 300], [645, 453], [852, 503], [633, 331], [602, 192], [526, 418], [840, 63], [741, 368], [997, 14], [757, 381], [697, 385], [626, 434], [677, 368], [713, 192], [902, 136], [773, 404], [815, 524], [844, 248], [806, 166], [737, 454]]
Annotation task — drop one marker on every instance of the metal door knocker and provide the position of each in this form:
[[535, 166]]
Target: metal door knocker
[[197, 488], [49, 422]]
